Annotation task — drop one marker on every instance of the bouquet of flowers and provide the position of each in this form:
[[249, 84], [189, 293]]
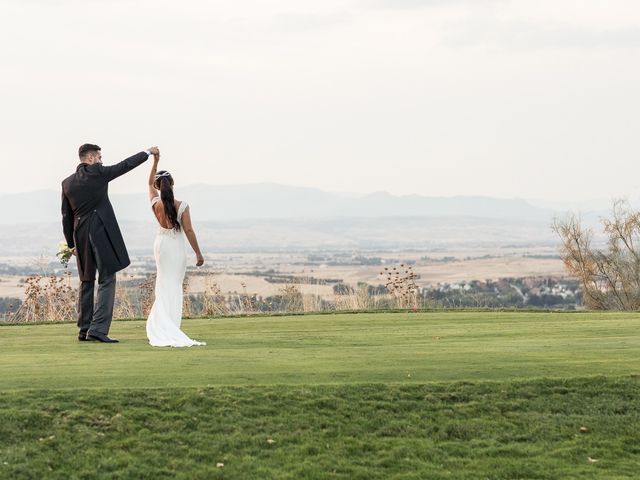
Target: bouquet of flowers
[[64, 253]]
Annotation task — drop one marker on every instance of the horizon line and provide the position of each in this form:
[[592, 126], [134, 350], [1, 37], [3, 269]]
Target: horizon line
[[353, 194]]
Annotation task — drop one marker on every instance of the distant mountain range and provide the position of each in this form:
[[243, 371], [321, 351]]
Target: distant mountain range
[[271, 201], [269, 217]]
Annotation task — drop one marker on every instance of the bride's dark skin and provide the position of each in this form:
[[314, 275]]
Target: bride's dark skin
[[158, 210]]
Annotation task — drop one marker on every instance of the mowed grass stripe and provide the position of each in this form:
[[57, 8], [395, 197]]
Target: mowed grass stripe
[[487, 430], [400, 348]]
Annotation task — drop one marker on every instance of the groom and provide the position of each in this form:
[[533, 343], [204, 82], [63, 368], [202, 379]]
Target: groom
[[92, 232]]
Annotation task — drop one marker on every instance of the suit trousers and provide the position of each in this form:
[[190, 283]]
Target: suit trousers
[[96, 319]]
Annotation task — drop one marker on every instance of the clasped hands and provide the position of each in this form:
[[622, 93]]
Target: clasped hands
[[155, 152]]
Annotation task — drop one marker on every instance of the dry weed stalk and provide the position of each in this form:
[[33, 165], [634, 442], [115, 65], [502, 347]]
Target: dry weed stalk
[[47, 299], [9, 315], [292, 298], [355, 299], [186, 298], [248, 301], [147, 294], [213, 301], [400, 282], [126, 306], [311, 303]]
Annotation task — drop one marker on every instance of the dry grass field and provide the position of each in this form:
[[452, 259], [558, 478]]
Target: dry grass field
[[230, 271]]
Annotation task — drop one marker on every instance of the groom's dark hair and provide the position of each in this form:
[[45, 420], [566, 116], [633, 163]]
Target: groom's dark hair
[[87, 148]]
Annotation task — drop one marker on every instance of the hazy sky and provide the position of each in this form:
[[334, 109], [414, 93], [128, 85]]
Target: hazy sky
[[533, 98]]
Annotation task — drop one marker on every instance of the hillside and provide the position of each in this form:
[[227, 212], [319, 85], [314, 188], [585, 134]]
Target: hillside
[[272, 201]]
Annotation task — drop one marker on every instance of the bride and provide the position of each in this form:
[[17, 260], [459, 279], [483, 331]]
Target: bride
[[163, 324]]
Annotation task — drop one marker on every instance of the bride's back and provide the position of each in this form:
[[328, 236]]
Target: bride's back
[[161, 215]]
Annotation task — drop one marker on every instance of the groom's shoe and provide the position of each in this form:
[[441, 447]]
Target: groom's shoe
[[82, 336], [100, 337]]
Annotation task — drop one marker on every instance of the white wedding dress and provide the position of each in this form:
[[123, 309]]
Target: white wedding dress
[[163, 324]]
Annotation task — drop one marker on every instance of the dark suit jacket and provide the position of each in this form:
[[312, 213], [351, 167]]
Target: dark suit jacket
[[87, 211]]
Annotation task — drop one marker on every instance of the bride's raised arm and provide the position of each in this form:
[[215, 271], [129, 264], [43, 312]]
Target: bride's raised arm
[[152, 177]]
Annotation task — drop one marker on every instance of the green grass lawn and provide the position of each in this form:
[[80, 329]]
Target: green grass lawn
[[418, 396]]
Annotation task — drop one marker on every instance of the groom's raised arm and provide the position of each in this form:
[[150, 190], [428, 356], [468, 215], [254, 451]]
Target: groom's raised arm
[[114, 171], [67, 221]]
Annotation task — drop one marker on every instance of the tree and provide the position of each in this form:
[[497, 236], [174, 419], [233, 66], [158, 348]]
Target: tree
[[610, 277]]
